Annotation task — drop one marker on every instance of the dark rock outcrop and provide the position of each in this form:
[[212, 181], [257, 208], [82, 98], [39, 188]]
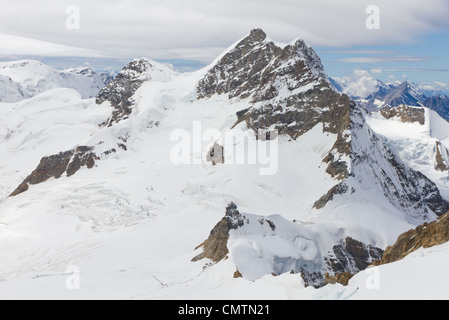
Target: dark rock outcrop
[[119, 91], [342, 278], [424, 236], [237, 274], [329, 196], [352, 256], [440, 164], [405, 113], [83, 157], [346, 259], [55, 166], [215, 247]]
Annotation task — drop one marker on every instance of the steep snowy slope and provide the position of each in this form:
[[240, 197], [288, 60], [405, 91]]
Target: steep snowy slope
[[11, 91], [420, 137], [440, 104], [35, 77], [123, 190]]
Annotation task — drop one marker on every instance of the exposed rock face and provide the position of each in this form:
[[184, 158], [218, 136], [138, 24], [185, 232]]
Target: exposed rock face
[[405, 113], [341, 188], [352, 256], [440, 164], [119, 91], [55, 166], [343, 262], [424, 236], [250, 68], [215, 247], [237, 274], [238, 73], [342, 278], [83, 157]]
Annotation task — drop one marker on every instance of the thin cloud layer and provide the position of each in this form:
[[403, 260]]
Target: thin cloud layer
[[14, 45], [382, 59], [198, 29]]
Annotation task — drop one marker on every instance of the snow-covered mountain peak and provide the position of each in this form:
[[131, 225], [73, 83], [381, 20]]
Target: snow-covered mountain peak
[[84, 71], [312, 59], [120, 91], [243, 70], [146, 69], [406, 93], [11, 91], [30, 73], [32, 77], [256, 35]]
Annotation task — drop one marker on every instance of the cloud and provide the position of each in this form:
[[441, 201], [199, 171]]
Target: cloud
[[30, 47], [362, 51], [435, 87], [382, 59], [359, 84], [409, 69], [188, 29]]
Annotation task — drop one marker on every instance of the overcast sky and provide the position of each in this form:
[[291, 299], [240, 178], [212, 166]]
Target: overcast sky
[[200, 29]]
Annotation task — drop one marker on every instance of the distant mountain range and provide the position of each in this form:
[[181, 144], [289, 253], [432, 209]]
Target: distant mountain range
[[26, 78], [405, 93]]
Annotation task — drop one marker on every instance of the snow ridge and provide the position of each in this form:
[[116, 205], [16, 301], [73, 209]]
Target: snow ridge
[[31, 77]]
